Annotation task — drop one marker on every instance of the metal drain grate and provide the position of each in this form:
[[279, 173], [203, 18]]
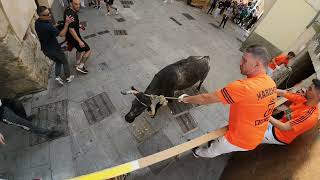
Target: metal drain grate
[[173, 19], [187, 123], [90, 36], [102, 66], [103, 32], [120, 19], [120, 32], [141, 129], [178, 108], [50, 116], [188, 16], [214, 25], [97, 108]]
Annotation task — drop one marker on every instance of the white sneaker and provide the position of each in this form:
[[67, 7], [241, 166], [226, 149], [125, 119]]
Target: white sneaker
[[117, 12], [59, 80], [108, 13], [165, 1], [70, 78]]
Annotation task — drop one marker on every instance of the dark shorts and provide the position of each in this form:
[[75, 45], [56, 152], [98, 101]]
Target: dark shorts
[[110, 2], [75, 44]]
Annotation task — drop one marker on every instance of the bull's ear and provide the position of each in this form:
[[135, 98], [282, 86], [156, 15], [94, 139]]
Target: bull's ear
[[133, 88]]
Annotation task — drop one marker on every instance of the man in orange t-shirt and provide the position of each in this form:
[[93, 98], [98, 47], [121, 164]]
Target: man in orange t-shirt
[[277, 61], [252, 101], [301, 116]]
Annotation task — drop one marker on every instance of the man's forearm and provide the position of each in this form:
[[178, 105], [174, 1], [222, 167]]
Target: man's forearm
[[74, 34], [64, 31], [202, 99], [281, 92], [280, 125]]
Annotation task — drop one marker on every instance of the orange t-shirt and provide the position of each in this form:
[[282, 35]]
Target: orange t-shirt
[[252, 102], [300, 116], [282, 59]]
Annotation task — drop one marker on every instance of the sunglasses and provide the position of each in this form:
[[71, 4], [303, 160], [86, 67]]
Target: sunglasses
[[49, 14]]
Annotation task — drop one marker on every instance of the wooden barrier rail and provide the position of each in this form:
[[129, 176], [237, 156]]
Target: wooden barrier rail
[[115, 172]]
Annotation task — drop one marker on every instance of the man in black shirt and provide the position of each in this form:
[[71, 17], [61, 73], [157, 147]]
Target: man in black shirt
[[74, 37], [47, 35]]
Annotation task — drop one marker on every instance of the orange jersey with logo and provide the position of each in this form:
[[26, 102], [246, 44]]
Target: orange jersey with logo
[[300, 116], [252, 102], [282, 59]]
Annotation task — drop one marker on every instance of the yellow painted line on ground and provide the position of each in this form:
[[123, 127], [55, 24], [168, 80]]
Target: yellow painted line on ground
[[111, 172]]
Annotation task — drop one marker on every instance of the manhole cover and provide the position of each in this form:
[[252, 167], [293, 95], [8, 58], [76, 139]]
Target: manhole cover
[[141, 129], [98, 108], [187, 123], [188, 16], [120, 32], [50, 116], [174, 20], [103, 32], [158, 142], [90, 36], [102, 66]]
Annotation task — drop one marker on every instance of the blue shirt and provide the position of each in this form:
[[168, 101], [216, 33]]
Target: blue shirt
[[47, 35]]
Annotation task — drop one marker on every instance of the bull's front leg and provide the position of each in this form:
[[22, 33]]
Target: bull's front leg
[[158, 105]]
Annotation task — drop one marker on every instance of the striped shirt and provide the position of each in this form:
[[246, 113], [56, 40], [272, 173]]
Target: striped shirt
[[300, 116]]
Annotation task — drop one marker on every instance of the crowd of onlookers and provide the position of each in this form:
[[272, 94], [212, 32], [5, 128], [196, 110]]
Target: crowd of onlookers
[[243, 14]]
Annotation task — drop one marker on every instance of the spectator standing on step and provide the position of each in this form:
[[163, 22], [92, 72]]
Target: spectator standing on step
[[226, 15], [97, 4], [109, 5], [251, 100], [243, 13], [213, 5], [278, 61], [254, 19], [47, 34], [91, 3], [75, 39], [226, 5], [301, 116], [13, 113]]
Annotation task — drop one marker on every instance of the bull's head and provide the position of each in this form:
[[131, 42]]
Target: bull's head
[[139, 104]]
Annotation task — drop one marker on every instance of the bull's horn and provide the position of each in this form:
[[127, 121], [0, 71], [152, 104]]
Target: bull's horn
[[129, 92]]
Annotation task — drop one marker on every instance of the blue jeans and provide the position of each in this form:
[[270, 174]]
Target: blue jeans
[[60, 59], [11, 118]]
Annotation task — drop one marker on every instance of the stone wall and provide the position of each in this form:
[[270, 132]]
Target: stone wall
[[24, 68]]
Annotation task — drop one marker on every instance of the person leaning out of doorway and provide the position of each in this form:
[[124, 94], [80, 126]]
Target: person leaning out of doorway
[[279, 60], [301, 116]]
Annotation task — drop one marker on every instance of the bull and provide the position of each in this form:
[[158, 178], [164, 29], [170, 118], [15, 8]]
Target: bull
[[177, 76]]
